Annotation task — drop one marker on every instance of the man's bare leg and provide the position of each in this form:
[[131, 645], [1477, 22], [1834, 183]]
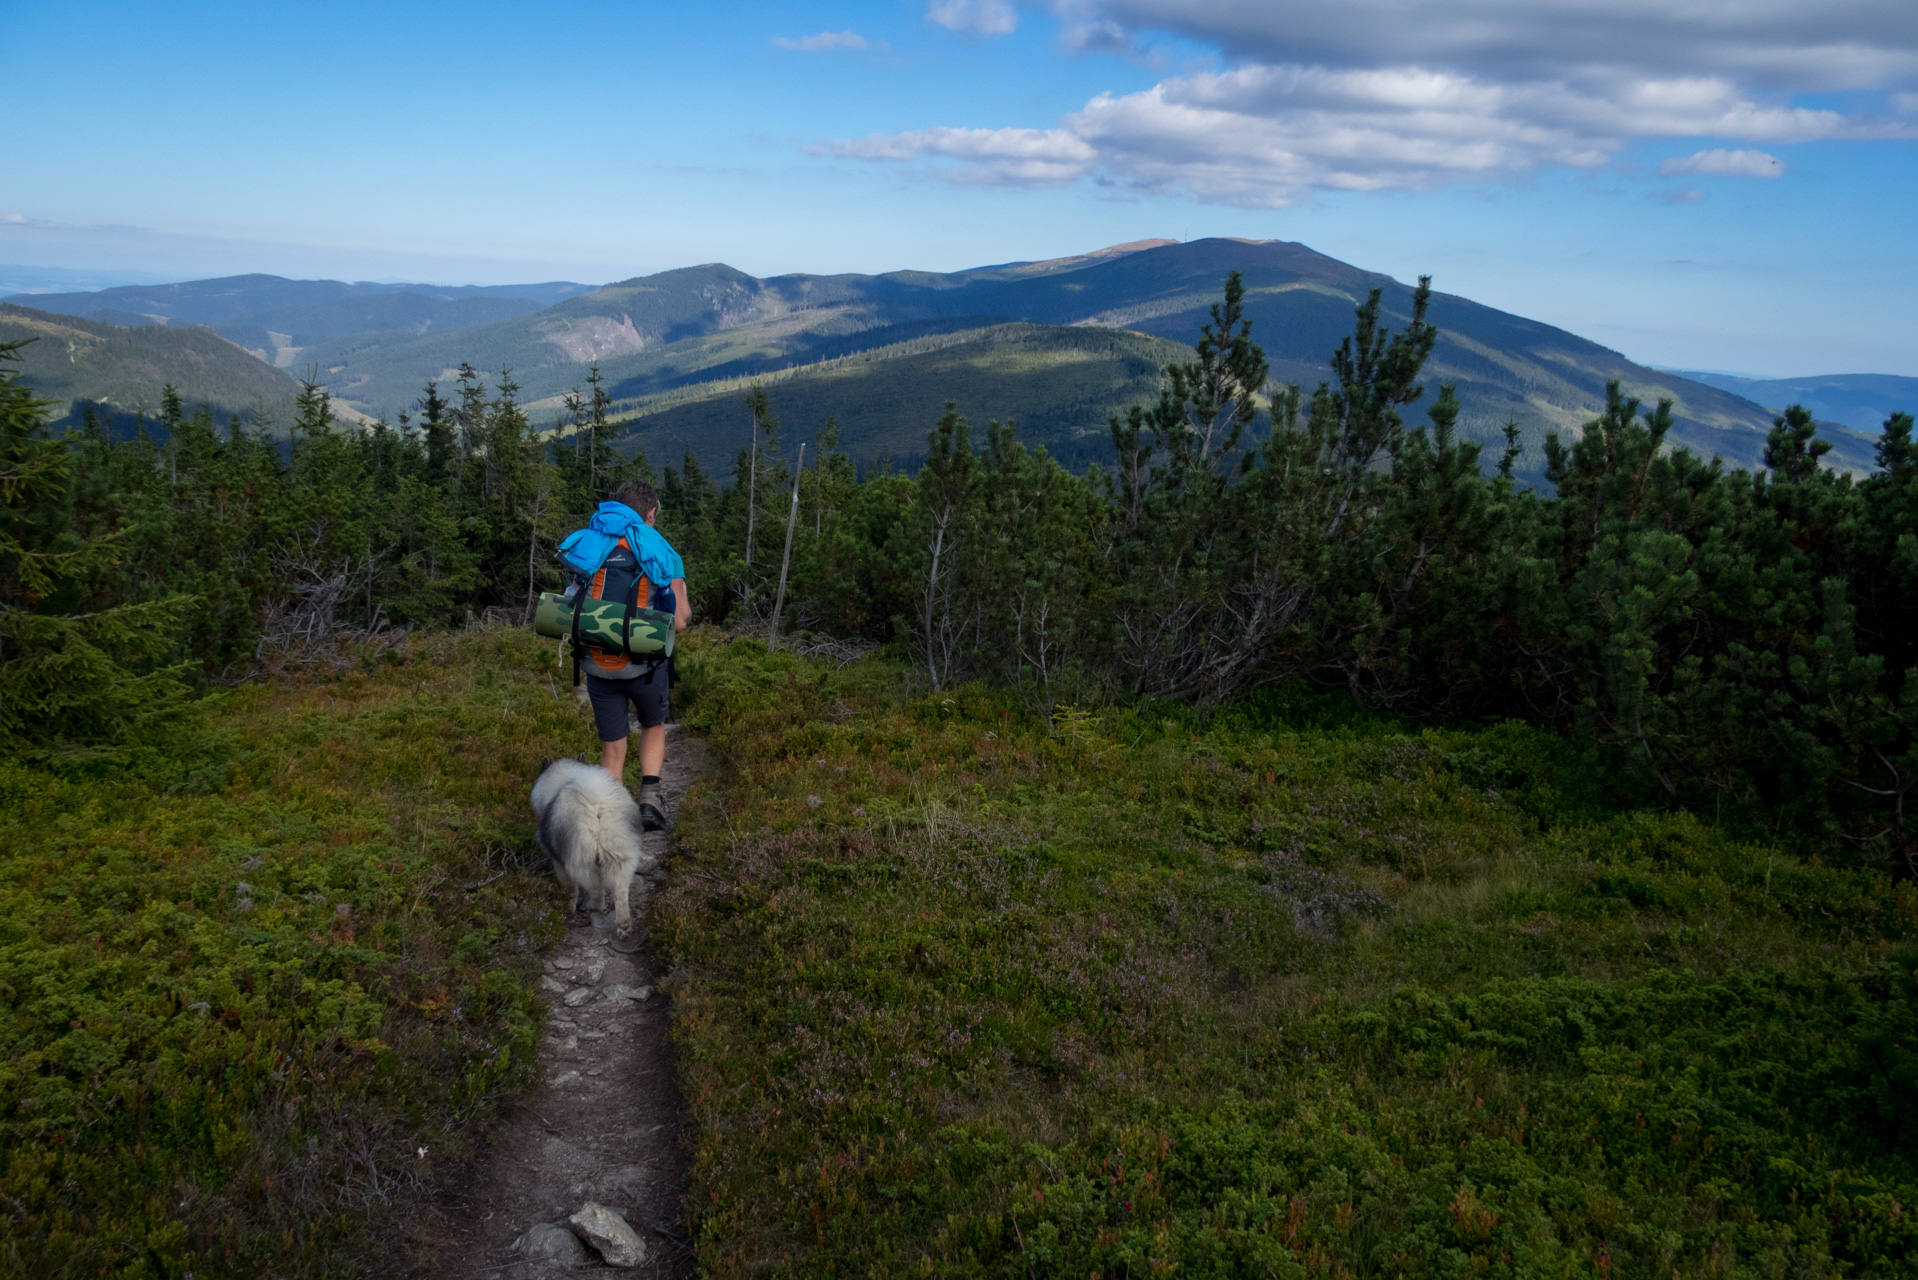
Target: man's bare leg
[[652, 750], [652, 753]]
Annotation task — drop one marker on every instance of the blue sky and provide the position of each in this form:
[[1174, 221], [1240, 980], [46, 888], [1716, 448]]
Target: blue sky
[[1722, 184]]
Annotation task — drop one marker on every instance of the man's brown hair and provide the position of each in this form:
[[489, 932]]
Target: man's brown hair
[[639, 495]]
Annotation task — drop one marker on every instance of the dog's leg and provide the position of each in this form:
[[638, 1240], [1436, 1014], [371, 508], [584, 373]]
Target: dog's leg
[[557, 837], [567, 883], [620, 876]]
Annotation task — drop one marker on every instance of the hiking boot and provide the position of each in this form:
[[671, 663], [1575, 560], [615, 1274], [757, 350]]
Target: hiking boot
[[652, 816]]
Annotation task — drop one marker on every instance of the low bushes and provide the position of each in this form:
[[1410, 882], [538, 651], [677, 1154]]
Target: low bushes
[[965, 993], [239, 1023]]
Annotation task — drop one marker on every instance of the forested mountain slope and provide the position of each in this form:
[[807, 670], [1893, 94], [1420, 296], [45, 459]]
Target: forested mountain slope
[[1060, 384], [123, 370]]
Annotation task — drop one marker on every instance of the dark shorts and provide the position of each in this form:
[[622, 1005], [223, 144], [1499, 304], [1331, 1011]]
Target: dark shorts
[[649, 695]]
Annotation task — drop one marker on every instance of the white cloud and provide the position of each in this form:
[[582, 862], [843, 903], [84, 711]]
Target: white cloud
[[1829, 45], [1905, 104], [988, 157], [824, 42], [1405, 95], [984, 18], [1265, 136], [1719, 163]]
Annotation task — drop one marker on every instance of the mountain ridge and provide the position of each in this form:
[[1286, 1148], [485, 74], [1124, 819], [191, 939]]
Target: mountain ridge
[[276, 318], [1861, 401], [676, 329]]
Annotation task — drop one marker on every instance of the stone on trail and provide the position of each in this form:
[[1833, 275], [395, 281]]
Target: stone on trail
[[579, 996], [608, 1233], [549, 1242]]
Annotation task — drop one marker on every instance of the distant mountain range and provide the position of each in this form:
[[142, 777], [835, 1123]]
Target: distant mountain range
[[1058, 344], [276, 319], [1861, 401]]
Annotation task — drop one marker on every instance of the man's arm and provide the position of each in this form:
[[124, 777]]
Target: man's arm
[[682, 607]]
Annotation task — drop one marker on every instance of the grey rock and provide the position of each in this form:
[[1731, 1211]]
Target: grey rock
[[595, 970], [552, 984], [618, 1244], [550, 1242], [579, 996]]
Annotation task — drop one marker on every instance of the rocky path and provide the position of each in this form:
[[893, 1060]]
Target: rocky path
[[601, 1129]]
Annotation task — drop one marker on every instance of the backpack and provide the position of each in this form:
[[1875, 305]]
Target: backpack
[[604, 562]]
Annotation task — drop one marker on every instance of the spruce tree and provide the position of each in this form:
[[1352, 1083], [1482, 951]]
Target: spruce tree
[[76, 685], [436, 426]]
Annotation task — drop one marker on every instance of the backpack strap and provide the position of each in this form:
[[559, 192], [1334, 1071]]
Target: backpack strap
[[579, 607]]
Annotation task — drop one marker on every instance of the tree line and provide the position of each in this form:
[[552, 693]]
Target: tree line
[[1740, 641]]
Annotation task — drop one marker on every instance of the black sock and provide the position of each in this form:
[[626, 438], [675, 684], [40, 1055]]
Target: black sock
[[648, 779]]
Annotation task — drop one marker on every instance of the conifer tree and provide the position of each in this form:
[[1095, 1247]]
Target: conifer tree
[[436, 427], [1792, 449], [74, 687]]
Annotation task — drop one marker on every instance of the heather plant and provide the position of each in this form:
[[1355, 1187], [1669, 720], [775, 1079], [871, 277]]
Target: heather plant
[[965, 990], [247, 1019]]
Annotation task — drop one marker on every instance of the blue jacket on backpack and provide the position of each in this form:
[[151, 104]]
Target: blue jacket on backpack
[[584, 552]]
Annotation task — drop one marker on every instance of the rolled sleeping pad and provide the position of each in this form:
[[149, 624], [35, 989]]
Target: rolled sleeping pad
[[603, 626]]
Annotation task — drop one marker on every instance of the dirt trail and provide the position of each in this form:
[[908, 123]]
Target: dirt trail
[[604, 1123]]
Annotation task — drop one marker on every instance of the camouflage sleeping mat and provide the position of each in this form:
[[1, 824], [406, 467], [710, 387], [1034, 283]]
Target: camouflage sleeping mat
[[607, 625]]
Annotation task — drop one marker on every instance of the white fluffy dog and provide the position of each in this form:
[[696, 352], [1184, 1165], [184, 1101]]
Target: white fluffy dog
[[589, 827]]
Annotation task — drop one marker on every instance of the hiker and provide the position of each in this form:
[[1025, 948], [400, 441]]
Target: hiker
[[643, 570]]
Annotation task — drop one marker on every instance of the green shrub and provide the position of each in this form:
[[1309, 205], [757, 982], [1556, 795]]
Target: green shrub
[[238, 1026], [966, 993]]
